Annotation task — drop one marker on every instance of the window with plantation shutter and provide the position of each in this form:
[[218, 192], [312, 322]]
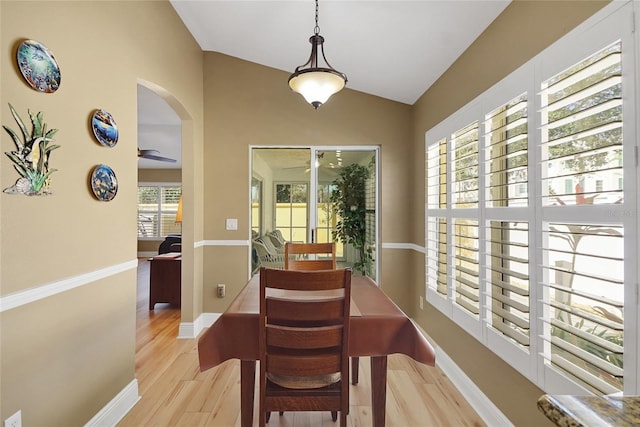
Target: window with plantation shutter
[[436, 195], [466, 256], [437, 255], [506, 146], [583, 248], [582, 131], [531, 213], [464, 164], [437, 175], [507, 265], [157, 208]]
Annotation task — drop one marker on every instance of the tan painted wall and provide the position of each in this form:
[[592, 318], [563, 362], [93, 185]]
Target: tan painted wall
[[159, 175], [523, 30], [248, 104], [65, 357]]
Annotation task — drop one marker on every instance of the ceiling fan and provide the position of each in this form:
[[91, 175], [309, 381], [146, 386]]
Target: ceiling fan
[[317, 164], [153, 155]]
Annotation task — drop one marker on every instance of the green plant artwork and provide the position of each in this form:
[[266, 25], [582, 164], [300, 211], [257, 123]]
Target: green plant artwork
[[31, 157]]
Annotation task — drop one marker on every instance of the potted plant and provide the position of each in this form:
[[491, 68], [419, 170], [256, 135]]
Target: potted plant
[[348, 202]]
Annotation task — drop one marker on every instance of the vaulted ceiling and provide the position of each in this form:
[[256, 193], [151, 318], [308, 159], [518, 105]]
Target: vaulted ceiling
[[392, 49]]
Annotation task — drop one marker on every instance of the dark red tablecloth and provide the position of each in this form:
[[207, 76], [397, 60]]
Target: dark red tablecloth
[[378, 328]]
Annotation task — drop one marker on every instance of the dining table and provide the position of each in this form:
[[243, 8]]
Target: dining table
[[378, 328]]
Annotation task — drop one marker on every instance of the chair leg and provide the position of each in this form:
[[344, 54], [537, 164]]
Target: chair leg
[[343, 418], [334, 415]]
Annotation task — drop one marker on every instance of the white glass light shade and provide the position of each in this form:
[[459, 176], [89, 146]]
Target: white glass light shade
[[317, 86]]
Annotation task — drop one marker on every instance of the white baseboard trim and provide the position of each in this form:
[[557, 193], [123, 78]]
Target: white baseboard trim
[[201, 243], [189, 330], [485, 408], [117, 408], [410, 246]]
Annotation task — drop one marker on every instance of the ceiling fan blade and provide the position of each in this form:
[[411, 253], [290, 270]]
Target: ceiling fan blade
[[148, 154], [159, 158]]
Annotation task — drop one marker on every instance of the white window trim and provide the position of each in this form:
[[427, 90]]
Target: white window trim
[[615, 21]]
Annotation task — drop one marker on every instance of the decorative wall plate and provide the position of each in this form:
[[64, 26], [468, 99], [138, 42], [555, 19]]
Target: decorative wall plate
[[38, 66], [104, 128], [104, 183]]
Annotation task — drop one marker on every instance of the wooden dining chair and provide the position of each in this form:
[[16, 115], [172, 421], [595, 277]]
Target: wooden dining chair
[[304, 334], [328, 262], [309, 256]]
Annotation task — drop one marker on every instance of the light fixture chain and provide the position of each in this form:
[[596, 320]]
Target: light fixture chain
[[316, 29]]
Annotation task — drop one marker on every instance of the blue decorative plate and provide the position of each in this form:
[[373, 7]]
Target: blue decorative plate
[[104, 183], [38, 66], [104, 128]]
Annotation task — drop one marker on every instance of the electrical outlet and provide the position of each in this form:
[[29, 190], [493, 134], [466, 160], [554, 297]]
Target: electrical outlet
[[421, 302], [222, 291], [14, 420]]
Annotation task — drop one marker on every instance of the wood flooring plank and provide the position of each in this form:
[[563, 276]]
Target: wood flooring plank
[[193, 419]]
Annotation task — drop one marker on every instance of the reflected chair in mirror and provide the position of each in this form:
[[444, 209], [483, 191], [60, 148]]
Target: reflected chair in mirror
[[304, 336], [277, 239], [267, 257], [310, 256]]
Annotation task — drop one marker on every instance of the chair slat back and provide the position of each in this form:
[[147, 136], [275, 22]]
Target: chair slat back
[[304, 333], [323, 256]]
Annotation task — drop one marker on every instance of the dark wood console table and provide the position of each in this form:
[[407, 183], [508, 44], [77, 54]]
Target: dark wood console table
[[165, 279]]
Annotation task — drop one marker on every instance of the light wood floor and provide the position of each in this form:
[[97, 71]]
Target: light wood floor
[[175, 393]]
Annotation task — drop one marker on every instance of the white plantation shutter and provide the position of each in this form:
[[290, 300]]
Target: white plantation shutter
[[583, 261], [464, 164], [582, 131], [436, 229], [506, 146], [507, 158], [466, 265], [531, 214], [436, 255], [584, 266]]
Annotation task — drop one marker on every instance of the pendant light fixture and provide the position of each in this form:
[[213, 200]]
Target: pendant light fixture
[[316, 83]]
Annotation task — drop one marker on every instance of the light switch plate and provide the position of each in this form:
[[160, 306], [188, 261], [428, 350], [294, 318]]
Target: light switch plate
[[232, 223]]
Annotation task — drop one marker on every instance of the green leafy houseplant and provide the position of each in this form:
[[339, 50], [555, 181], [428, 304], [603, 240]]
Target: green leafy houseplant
[[31, 157], [348, 201]]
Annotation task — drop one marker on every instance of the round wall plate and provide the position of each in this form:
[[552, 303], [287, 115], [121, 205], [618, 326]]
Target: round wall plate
[[104, 183], [38, 66], [104, 128]]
